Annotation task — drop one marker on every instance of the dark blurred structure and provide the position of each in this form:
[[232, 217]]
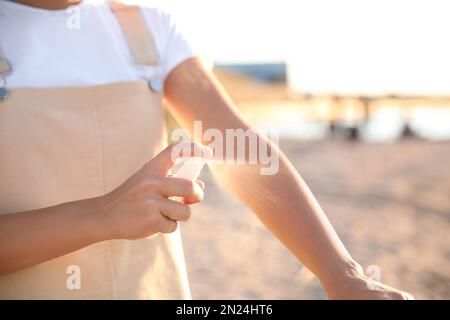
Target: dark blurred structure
[[263, 89], [264, 72]]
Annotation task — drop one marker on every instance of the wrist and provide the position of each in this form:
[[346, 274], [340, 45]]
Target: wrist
[[341, 276], [96, 226]]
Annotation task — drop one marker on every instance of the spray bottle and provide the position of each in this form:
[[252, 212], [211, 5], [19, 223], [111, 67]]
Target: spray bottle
[[186, 168]]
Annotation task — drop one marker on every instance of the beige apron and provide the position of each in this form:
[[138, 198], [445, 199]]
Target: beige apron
[[64, 144]]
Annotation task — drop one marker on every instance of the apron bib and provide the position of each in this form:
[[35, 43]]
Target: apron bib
[[65, 144]]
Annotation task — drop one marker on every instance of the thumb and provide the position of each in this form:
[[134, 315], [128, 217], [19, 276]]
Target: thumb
[[162, 162]]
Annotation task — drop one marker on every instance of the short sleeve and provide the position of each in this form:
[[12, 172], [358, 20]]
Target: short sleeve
[[172, 44]]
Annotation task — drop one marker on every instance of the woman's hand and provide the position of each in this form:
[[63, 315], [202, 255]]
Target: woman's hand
[[282, 201], [355, 285], [142, 206], [138, 208]]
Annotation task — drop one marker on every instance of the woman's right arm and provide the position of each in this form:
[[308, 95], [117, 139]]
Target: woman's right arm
[[137, 209]]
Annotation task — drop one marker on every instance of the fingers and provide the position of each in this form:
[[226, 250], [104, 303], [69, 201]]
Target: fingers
[[175, 210], [167, 225], [169, 212], [166, 158], [190, 191], [154, 185], [172, 212]]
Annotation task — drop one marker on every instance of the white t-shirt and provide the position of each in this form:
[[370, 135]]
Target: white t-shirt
[[47, 51]]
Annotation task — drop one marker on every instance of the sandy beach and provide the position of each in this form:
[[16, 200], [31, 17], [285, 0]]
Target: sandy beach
[[389, 202]]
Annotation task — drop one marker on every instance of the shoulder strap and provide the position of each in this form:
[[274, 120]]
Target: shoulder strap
[[4, 66], [138, 36]]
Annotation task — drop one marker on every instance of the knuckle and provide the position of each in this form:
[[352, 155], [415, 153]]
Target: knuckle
[[141, 187], [151, 203], [151, 181], [149, 169]]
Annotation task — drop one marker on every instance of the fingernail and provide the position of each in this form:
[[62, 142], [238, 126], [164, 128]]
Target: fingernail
[[201, 184]]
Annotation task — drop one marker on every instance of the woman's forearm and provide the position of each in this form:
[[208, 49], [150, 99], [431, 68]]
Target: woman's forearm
[[138, 208], [282, 201], [30, 238]]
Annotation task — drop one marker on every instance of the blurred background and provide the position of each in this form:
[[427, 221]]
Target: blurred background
[[360, 93]]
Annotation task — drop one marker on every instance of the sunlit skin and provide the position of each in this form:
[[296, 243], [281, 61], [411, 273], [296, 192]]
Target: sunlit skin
[[282, 201], [49, 4]]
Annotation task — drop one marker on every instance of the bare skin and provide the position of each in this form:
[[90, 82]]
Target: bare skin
[[49, 4], [30, 238], [282, 201]]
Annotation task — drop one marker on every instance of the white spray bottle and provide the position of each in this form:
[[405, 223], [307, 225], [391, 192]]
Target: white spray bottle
[[186, 168]]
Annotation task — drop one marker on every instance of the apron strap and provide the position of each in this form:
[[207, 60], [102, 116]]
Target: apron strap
[[5, 68], [138, 36]]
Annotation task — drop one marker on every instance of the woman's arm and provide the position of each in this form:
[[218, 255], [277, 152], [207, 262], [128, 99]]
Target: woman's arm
[[28, 238], [138, 208], [282, 201]]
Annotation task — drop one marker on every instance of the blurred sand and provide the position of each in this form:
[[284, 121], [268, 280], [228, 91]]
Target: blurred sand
[[390, 203]]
